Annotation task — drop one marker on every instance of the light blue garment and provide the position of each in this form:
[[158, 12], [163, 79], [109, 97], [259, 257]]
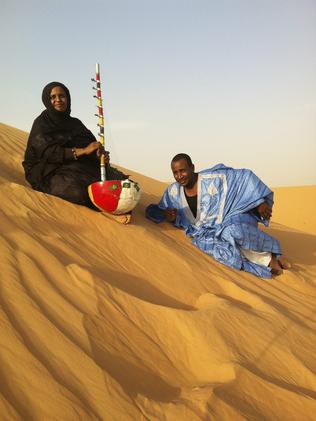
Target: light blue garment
[[225, 219]]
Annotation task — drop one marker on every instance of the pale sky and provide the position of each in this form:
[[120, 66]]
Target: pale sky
[[231, 81]]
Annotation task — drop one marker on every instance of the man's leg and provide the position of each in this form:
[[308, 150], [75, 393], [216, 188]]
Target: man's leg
[[265, 259]]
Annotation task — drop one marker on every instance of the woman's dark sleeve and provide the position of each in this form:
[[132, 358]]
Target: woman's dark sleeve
[[43, 155], [49, 149]]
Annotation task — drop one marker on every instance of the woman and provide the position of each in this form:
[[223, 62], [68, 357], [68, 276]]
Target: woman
[[62, 155]]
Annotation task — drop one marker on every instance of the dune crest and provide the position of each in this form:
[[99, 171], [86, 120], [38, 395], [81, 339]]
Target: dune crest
[[112, 322]]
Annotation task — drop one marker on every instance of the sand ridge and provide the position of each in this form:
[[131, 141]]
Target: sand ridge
[[101, 321]]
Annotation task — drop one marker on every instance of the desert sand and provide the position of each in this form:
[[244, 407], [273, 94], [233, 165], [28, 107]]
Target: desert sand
[[101, 321]]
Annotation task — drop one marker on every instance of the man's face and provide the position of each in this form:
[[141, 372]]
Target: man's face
[[182, 172], [58, 99]]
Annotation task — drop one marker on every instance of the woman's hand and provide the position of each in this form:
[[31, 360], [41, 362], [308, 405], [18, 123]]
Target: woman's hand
[[94, 147], [88, 150], [102, 152]]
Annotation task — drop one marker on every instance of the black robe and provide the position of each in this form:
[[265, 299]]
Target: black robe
[[49, 163]]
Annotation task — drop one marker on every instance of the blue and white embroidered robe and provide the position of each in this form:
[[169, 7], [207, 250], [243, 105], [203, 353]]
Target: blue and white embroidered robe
[[225, 221]]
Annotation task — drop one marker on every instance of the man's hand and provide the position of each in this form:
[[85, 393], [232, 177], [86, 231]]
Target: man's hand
[[170, 214], [264, 210]]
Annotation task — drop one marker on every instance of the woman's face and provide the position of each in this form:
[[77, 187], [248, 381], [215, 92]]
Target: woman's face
[[58, 99]]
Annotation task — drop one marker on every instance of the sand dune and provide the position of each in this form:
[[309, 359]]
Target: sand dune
[[101, 321]]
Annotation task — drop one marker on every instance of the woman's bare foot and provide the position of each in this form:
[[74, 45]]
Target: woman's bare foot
[[276, 268], [124, 219]]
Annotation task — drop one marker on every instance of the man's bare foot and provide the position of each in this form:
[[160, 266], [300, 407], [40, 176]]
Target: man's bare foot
[[285, 264], [276, 268]]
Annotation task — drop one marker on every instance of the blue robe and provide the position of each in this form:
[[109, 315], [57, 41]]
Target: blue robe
[[226, 220]]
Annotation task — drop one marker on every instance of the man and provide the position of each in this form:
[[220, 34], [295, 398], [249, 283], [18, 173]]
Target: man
[[220, 208]]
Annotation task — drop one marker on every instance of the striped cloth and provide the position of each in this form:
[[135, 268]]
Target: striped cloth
[[226, 220]]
